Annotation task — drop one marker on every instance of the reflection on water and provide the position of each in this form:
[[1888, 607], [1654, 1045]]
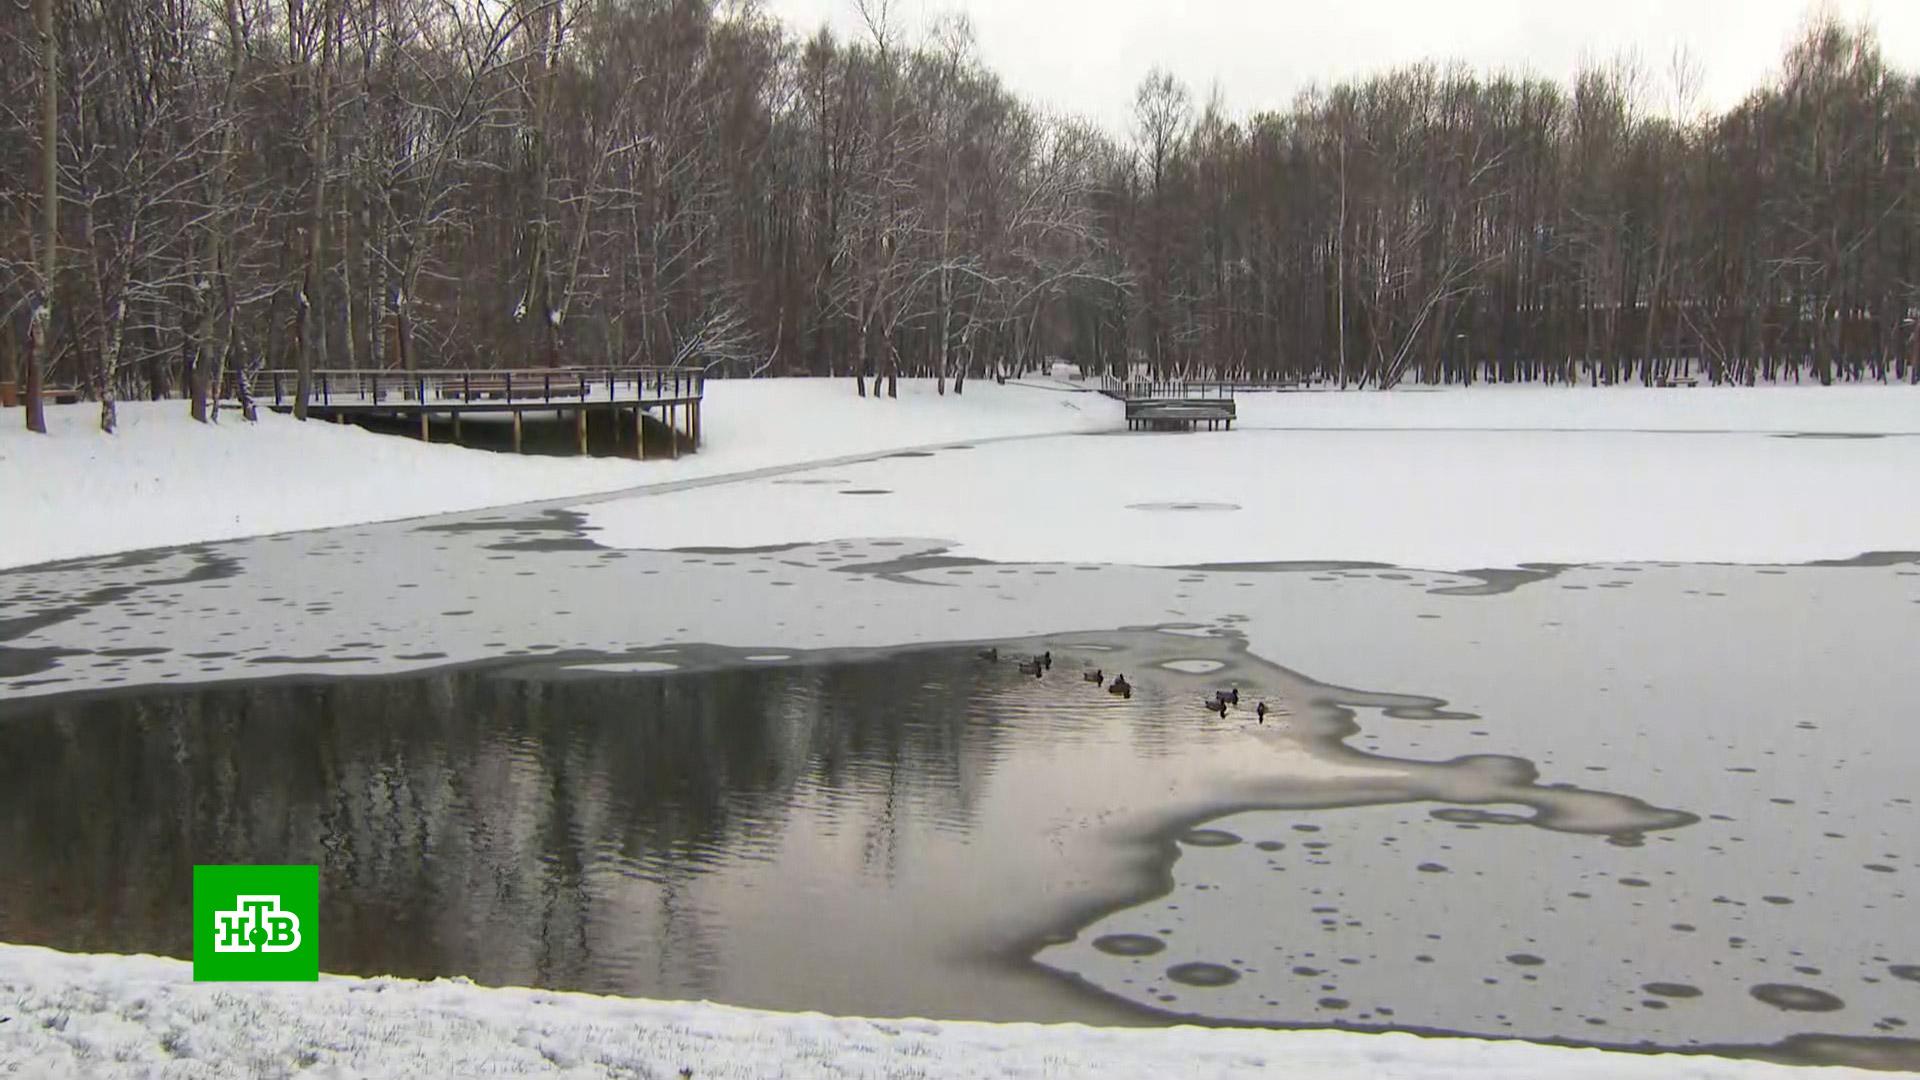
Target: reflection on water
[[879, 833], [473, 824]]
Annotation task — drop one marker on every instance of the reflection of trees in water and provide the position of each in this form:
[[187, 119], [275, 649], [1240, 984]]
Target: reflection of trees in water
[[468, 822]]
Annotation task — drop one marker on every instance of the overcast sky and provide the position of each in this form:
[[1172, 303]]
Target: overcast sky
[[1086, 56]]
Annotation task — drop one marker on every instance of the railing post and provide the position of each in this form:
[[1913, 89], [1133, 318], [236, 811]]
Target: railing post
[[276, 388], [510, 391], [466, 386], [324, 399], [546, 389]]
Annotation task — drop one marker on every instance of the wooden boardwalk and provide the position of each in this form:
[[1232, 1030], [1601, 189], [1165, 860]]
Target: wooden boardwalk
[[622, 395], [1163, 406]]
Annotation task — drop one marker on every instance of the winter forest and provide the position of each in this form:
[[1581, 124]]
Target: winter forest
[[410, 184]]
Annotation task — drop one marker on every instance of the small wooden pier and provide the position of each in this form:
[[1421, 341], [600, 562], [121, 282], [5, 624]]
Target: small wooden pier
[[623, 396], [1173, 406]]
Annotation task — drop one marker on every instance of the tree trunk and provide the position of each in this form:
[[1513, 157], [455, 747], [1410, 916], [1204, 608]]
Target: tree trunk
[[1340, 266], [377, 284], [111, 280], [114, 322], [242, 371], [217, 257], [946, 332], [403, 332], [9, 370], [313, 329], [40, 326], [38, 335], [966, 358], [860, 344], [349, 343], [196, 323], [537, 301]]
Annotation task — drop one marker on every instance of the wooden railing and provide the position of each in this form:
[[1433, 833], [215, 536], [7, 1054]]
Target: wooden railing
[[1141, 390], [495, 388]]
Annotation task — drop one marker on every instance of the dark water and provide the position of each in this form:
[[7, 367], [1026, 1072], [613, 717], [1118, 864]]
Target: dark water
[[729, 832], [547, 831]]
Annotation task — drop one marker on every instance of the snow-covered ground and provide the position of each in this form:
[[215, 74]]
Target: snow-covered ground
[[1778, 409], [1442, 479], [1443, 500], [63, 1016], [164, 480]]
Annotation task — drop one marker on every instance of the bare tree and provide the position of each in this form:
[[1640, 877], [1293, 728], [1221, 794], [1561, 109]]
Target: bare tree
[[40, 323], [209, 184]]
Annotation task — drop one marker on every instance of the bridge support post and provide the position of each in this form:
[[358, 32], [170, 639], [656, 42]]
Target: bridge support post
[[673, 436], [516, 431], [424, 437], [456, 425], [639, 433], [580, 423]]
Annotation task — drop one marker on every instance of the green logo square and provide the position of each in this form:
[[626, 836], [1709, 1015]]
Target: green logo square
[[256, 923]]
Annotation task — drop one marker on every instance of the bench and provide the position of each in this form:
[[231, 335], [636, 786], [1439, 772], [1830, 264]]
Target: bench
[[12, 394]]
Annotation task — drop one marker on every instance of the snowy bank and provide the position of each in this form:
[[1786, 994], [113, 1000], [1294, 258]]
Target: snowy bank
[[1401, 484], [1887, 409], [65, 1015], [164, 480]]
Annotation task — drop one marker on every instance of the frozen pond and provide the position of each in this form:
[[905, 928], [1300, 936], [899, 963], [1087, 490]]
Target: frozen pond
[[1613, 804]]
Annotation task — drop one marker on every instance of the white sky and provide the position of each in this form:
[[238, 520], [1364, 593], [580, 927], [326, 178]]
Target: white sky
[[1086, 56]]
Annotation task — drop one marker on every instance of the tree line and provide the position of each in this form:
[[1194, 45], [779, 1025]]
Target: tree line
[[191, 190]]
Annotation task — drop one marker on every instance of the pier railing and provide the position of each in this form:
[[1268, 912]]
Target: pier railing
[[1143, 390], [512, 388]]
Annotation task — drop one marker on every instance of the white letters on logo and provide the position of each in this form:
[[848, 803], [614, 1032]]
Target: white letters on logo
[[256, 924]]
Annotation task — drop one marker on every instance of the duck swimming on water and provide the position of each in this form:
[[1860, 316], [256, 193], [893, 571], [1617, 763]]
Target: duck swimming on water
[[989, 655], [1231, 697], [1094, 676], [1261, 712], [1217, 705], [1031, 667], [1121, 686], [1046, 659]]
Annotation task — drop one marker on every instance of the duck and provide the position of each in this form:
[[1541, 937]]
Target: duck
[[1217, 705], [1231, 697], [1121, 686], [1046, 658], [1261, 712], [1031, 667], [1094, 676], [989, 655]]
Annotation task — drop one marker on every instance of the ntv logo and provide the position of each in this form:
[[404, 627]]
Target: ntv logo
[[256, 923]]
